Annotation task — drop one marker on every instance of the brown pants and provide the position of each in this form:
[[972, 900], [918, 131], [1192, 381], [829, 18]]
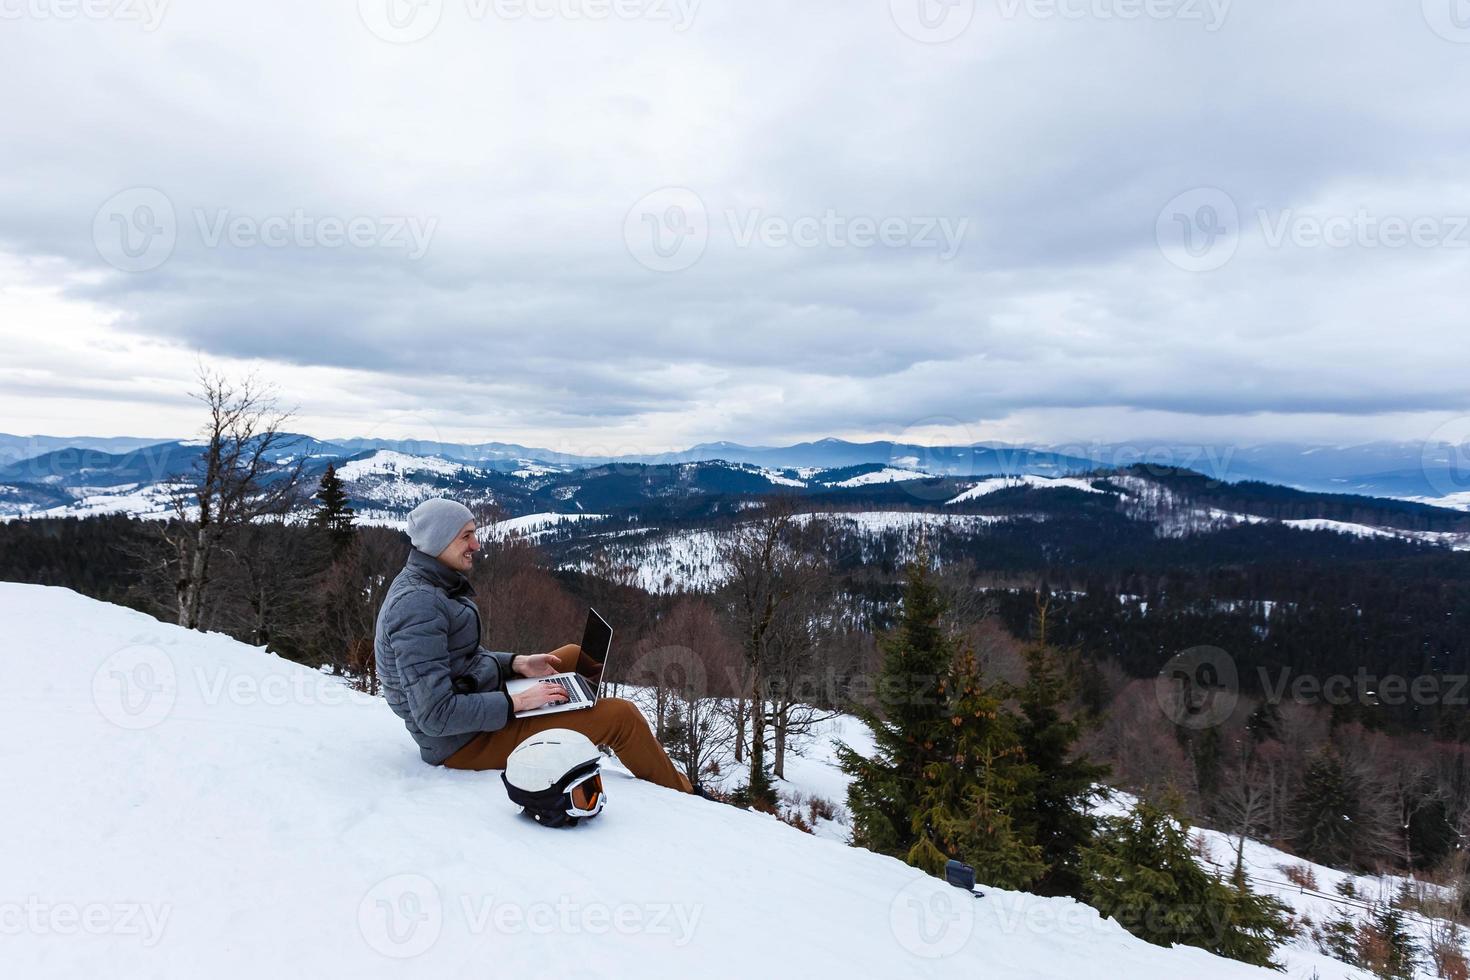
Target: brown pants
[[611, 721]]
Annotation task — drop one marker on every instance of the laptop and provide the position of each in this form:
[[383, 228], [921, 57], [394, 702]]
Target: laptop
[[596, 641]]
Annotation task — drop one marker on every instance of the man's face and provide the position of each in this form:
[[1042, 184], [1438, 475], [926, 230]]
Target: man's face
[[460, 555]]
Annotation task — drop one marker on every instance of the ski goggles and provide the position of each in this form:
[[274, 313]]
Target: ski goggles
[[585, 795]]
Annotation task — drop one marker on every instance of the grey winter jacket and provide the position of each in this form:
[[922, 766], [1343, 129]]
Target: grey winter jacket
[[428, 637]]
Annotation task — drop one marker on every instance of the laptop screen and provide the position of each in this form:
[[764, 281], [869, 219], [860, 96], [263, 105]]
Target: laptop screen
[[597, 637]]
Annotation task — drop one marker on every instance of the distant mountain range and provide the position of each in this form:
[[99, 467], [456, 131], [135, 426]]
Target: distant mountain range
[[82, 475]]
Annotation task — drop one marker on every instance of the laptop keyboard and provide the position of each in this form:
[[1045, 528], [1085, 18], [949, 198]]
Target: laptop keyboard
[[574, 692]]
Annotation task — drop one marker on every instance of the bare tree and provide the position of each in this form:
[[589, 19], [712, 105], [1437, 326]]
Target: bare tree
[[235, 481], [271, 580], [352, 590], [807, 660], [764, 570], [1244, 802]]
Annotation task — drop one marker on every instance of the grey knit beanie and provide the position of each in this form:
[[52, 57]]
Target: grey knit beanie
[[436, 522]]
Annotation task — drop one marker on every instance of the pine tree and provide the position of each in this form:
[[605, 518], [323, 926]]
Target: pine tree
[[333, 514], [948, 775], [1257, 923], [884, 793], [1385, 945], [1058, 818], [1328, 815], [971, 791], [1142, 872]]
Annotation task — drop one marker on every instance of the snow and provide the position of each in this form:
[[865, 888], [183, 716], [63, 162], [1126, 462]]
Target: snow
[[147, 500], [1455, 501], [534, 525], [388, 461], [998, 483], [888, 474], [186, 805], [1458, 542], [685, 561], [530, 468], [1264, 868]]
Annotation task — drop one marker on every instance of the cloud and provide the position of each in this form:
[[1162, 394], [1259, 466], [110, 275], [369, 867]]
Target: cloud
[[885, 232]]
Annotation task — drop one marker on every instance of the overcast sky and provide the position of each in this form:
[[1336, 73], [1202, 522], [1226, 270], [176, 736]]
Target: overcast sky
[[632, 225]]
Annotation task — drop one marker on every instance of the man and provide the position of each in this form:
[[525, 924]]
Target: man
[[450, 691]]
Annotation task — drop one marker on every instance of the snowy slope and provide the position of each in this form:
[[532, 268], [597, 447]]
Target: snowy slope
[[997, 483], [690, 560], [888, 474], [185, 805]]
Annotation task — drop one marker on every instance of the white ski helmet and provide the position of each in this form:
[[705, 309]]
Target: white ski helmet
[[556, 777]]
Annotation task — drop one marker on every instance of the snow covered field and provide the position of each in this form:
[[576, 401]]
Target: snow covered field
[[181, 804]]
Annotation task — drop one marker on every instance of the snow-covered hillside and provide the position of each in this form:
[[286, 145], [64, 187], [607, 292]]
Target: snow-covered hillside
[[183, 805], [998, 483], [683, 561]]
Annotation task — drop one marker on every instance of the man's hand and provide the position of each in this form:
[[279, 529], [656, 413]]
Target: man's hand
[[538, 695], [536, 665]]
